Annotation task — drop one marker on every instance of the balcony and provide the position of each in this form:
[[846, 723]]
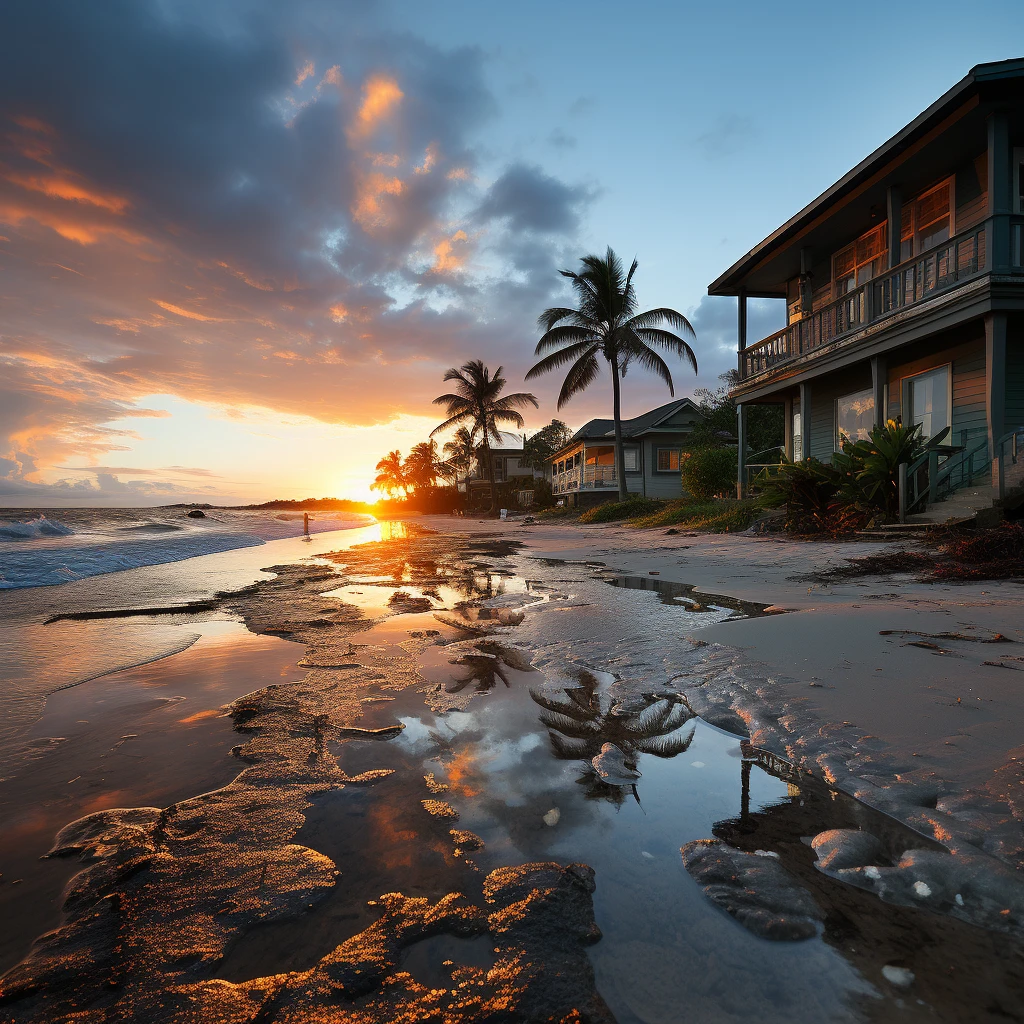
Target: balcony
[[912, 282]]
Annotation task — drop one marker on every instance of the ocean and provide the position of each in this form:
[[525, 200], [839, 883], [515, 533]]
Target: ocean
[[48, 547]]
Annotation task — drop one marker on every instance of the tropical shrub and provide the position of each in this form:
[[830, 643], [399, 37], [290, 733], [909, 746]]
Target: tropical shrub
[[859, 487], [872, 465], [709, 471]]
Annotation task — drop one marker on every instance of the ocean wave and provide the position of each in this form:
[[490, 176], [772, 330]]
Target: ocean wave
[[31, 529], [46, 567]]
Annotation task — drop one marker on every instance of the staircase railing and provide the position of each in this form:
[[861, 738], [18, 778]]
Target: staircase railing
[[760, 463], [1009, 462]]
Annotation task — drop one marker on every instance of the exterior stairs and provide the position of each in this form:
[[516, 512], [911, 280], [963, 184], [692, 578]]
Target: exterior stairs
[[962, 506]]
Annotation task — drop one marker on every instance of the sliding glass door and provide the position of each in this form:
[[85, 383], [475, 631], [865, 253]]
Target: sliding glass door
[[929, 401]]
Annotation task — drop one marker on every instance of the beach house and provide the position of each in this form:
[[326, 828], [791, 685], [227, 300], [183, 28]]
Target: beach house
[[904, 292], [582, 473]]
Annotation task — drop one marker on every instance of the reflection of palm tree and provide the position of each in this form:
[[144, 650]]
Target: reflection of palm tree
[[585, 720]]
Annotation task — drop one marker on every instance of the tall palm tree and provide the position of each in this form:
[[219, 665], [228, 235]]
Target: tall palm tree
[[422, 465], [606, 323], [390, 474], [477, 402], [460, 454]]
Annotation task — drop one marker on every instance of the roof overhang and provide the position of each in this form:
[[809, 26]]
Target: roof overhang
[[944, 116]]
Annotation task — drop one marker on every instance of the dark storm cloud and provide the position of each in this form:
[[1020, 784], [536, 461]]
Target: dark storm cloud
[[266, 204], [530, 200]]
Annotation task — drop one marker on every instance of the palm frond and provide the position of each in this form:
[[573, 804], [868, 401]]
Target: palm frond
[[561, 357], [581, 375]]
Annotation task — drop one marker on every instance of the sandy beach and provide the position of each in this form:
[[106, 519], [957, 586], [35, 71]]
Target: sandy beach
[[481, 716]]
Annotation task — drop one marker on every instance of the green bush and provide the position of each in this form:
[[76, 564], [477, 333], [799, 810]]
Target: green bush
[[809, 490], [707, 516], [709, 471], [629, 509], [871, 466]]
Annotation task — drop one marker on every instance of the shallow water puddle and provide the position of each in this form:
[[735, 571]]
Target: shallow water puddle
[[689, 597]]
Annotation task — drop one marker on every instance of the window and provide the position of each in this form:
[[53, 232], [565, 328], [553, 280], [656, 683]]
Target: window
[[577, 458], [928, 401], [925, 222], [798, 444], [855, 416], [1018, 180], [860, 262], [668, 460], [603, 456], [631, 460]]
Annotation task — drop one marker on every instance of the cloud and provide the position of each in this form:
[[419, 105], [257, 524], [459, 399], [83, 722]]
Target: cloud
[[729, 134], [530, 200], [238, 231], [715, 323]]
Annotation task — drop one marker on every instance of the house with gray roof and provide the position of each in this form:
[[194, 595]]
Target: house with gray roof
[[583, 472]]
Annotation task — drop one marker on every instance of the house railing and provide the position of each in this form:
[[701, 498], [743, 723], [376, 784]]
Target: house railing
[[599, 476], [1009, 462], [933, 272], [940, 470]]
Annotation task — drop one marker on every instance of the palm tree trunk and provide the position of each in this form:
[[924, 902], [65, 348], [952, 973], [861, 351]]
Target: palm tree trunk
[[620, 462], [490, 475]]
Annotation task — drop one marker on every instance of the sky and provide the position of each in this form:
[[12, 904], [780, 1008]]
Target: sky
[[240, 243]]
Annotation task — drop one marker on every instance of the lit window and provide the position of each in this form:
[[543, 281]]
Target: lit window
[[668, 460], [855, 416]]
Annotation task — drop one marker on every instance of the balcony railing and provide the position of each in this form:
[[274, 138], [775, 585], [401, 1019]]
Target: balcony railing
[[590, 478], [933, 272], [599, 476]]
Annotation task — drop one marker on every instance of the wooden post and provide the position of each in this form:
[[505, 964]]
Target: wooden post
[[788, 435], [805, 420], [741, 451], [878, 379], [741, 319], [894, 216], [995, 386]]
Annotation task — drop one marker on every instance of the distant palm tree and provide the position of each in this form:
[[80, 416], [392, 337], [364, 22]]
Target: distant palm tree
[[422, 465], [460, 454], [608, 324], [390, 475], [477, 402]]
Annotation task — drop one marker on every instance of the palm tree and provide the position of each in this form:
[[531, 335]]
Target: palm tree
[[477, 402], [607, 323], [460, 454], [422, 466], [390, 474]]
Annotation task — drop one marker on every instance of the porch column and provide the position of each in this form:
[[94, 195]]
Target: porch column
[[788, 434], [805, 420], [879, 372], [1000, 187], [741, 450], [995, 384]]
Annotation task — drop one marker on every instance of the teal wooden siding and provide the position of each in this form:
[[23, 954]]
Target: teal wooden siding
[[1015, 379], [969, 412]]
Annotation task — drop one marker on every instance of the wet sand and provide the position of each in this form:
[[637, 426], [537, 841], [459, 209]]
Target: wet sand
[[470, 716]]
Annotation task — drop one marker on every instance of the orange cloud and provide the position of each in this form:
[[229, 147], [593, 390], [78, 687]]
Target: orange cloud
[[263, 286], [85, 232], [178, 311], [381, 95], [458, 174], [445, 258], [306, 71], [368, 209], [429, 159], [339, 313], [33, 124], [384, 159], [332, 77], [62, 188]]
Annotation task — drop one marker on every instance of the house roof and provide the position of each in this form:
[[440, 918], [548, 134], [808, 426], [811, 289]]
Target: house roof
[[648, 422], [979, 83]]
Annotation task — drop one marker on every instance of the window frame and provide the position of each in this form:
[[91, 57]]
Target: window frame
[[949, 184], [905, 392], [837, 439], [670, 451], [627, 453]]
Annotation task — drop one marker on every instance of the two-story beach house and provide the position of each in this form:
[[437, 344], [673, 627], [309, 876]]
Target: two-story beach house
[[582, 473], [904, 290]]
